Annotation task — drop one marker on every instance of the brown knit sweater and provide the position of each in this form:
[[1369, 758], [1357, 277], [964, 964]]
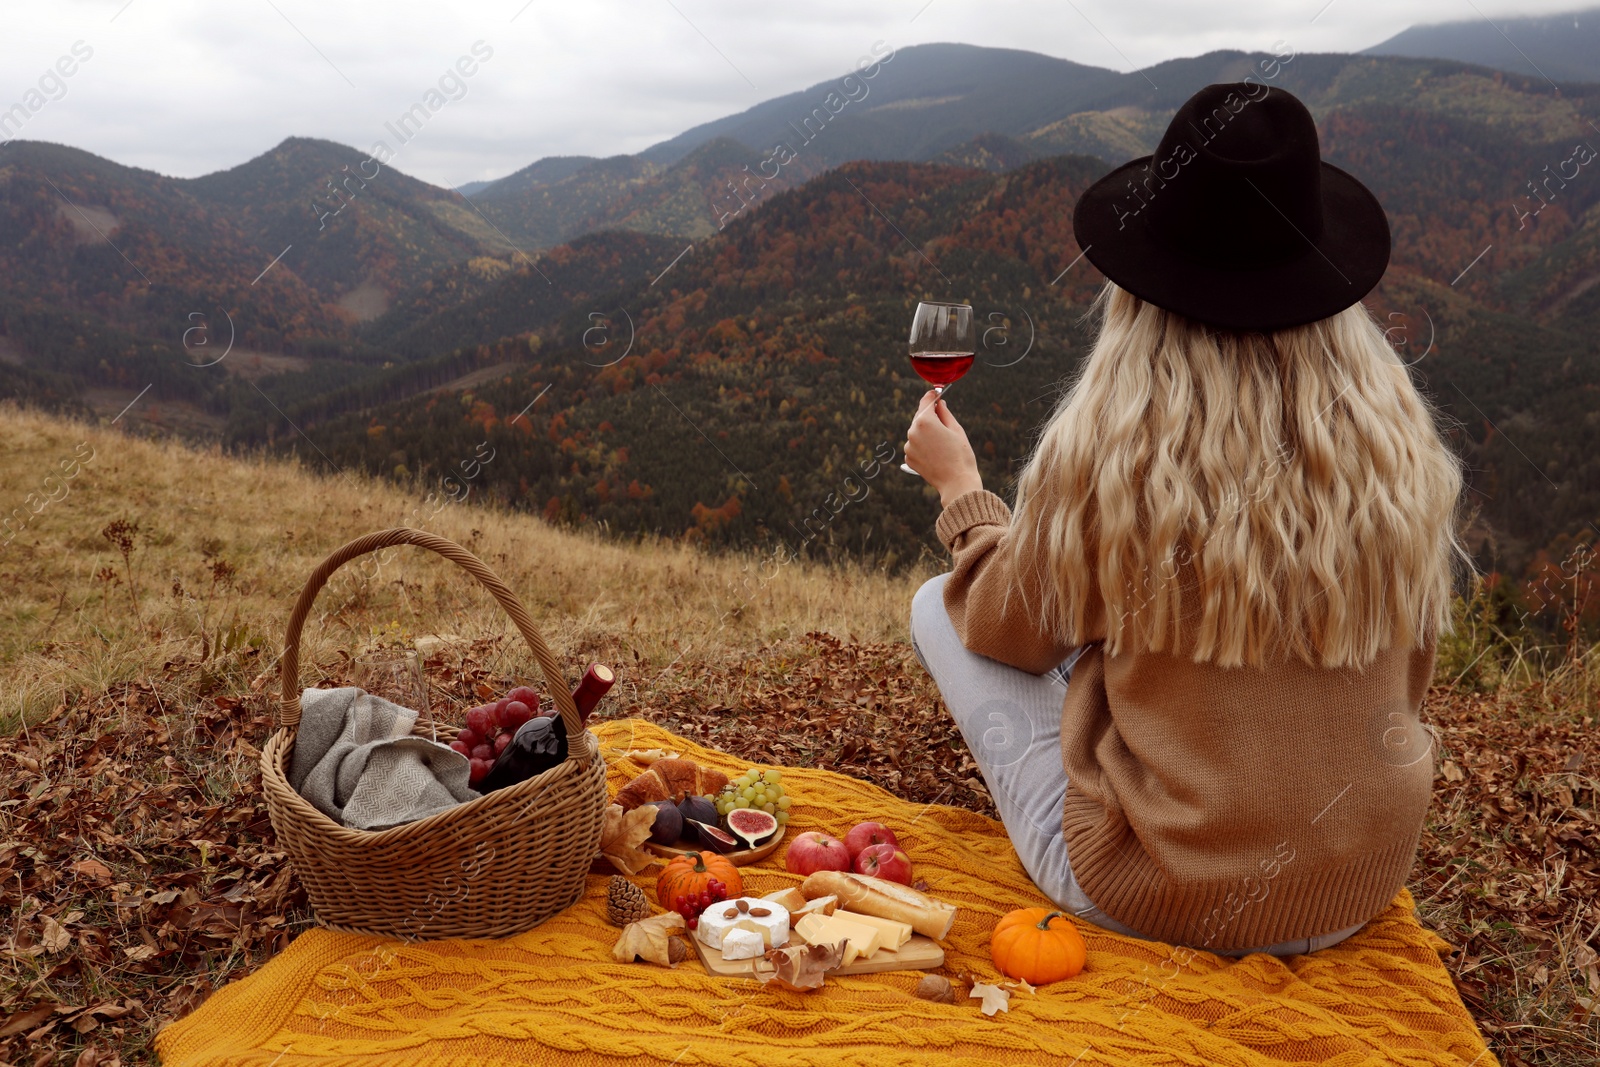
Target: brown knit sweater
[[1221, 808]]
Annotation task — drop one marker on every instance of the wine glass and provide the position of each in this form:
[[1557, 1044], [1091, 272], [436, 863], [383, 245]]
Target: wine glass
[[395, 674], [941, 346]]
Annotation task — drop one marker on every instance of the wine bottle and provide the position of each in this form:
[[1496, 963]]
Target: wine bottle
[[596, 681], [538, 745], [541, 742]]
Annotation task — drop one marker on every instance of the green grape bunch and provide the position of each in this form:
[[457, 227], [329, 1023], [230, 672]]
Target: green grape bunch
[[758, 789]]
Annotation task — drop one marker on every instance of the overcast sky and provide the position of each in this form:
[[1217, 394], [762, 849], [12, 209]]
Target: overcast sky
[[185, 87]]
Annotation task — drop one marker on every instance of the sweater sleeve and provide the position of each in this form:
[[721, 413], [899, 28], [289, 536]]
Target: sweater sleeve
[[990, 610]]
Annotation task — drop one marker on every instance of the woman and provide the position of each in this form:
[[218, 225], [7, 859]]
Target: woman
[[1190, 663]]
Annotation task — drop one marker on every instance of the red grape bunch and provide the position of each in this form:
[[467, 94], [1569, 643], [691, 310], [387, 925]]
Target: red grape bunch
[[691, 907], [490, 727]]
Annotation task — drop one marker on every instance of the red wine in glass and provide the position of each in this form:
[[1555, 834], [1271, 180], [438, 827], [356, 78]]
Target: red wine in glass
[[941, 368], [941, 346]]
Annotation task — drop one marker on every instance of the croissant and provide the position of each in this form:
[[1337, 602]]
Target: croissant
[[671, 779]]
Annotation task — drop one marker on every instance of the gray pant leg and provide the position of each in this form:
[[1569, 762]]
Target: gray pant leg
[[1011, 721]]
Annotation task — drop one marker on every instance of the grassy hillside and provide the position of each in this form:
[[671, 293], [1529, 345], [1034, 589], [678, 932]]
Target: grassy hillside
[[224, 545]]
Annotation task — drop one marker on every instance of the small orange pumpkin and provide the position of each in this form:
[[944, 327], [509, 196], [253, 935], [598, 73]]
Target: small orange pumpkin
[[1037, 945], [688, 875]]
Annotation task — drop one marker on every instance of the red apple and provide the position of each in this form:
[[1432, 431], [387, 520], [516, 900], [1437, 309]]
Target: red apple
[[886, 862], [812, 852], [868, 833]]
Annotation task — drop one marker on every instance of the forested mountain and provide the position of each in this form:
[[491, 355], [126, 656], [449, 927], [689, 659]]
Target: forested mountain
[[908, 103], [134, 248], [723, 342], [1565, 47], [356, 231], [689, 198]]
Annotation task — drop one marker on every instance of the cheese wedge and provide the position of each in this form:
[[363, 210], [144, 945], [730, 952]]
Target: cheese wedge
[[742, 944], [822, 906], [791, 899], [863, 940], [764, 931], [812, 930], [895, 934]]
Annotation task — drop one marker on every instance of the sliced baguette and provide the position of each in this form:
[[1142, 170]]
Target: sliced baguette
[[926, 915]]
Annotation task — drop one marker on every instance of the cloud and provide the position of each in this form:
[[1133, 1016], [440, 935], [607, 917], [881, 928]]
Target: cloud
[[186, 87]]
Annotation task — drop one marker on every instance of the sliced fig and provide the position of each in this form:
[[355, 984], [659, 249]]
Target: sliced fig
[[751, 825], [712, 837]]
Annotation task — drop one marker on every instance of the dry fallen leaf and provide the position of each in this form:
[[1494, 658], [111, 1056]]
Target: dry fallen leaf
[[798, 967], [994, 998], [650, 940], [624, 832], [1019, 984], [55, 937], [93, 870], [937, 988], [648, 756], [27, 1020]]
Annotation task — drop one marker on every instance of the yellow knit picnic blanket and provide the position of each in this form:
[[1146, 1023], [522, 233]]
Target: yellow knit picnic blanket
[[554, 996]]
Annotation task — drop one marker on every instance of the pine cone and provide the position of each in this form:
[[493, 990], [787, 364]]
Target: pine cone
[[625, 902]]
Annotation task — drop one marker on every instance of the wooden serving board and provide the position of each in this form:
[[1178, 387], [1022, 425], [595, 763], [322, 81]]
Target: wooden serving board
[[738, 858], [919, 954]]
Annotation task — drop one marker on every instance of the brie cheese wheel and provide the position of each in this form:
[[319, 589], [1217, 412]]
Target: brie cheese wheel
[[742, 944], [724, 916]]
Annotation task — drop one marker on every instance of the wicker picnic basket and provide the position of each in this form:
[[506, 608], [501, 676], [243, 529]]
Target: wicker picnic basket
[[490, 867]]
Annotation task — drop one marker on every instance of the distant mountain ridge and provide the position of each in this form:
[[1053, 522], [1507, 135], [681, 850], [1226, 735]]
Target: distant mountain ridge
[[909, 103], [994, 109], [1563, 47]]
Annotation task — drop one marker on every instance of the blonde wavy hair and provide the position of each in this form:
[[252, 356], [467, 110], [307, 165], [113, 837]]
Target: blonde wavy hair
[[1294, 483]]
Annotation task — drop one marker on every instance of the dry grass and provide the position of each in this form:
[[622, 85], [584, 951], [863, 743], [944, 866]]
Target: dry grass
[[135, 727], [63, 629]]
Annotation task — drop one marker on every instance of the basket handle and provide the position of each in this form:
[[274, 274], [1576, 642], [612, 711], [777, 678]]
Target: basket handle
[[474, 566]]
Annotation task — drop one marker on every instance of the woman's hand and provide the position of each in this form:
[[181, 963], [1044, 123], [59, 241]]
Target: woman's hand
[[937, 448]]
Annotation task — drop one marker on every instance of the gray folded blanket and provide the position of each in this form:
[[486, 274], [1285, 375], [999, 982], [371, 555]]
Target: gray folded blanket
[[356, 761]]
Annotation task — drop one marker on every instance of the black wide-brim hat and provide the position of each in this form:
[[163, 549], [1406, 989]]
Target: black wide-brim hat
[[1235, 221]]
